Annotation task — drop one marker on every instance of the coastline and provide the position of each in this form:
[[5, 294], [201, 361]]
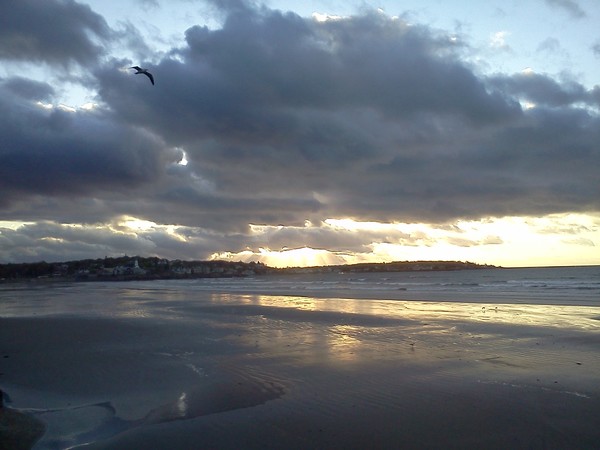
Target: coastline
[[157, 269]]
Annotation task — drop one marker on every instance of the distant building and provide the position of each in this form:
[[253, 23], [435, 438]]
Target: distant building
[[131, 268]]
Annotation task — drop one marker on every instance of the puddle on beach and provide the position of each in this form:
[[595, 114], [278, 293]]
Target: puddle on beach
[[80, 425]]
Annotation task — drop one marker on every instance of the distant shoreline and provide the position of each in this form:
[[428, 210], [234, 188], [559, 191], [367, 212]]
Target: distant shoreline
[[138, 268], [147, 269]]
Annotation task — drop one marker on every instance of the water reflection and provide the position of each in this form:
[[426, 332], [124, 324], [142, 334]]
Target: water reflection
[[284, 333], [344, 342], [182, 406], [338, 330], [575, 317], [349, 331]]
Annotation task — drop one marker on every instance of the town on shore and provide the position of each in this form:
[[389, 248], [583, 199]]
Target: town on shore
[[153, 268]]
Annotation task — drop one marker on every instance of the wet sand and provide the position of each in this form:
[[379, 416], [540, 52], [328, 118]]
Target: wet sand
[[158, 369]]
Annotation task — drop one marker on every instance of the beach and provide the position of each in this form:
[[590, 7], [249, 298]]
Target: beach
[[181, 366]]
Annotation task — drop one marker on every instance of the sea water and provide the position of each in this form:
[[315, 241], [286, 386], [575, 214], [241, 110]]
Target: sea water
[[574, 286], [555, 285]]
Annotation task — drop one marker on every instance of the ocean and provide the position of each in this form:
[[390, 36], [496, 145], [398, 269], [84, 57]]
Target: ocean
[[553, 285], [569, 286]]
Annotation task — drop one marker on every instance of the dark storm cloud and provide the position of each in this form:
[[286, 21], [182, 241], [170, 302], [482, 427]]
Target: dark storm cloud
[[285, 119], [56, 152], [366, 117], [51, 31], [543, 90], [536, 167], [255, 76], [28, 89]]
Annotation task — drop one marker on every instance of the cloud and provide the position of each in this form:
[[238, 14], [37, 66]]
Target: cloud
[[53, 242], [263, 69], [570, 6], [131, 38], [149, 4], [320, 242], [51, 31], [285, 119], [549, 46], [498, 41], [56, 153], [28, 89], [580, 241], [541, 89], [275, 103]]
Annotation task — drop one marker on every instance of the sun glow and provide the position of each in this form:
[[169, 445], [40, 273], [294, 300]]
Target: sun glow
[[13, 225], [135, 224], [319, 17], [141, 227], [184, 160], [552, 240], [558, 239], [296, 257]]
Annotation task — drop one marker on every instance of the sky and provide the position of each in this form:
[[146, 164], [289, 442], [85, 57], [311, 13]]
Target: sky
[[301, 133]]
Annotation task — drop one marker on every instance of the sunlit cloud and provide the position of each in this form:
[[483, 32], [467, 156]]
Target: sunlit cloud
[[13, 225], [580, 241], [66, 108], [183, 161], [507, 241], [498, 40], [43, 105], [134, 224], [89, 106], [297, 257], [319, 17], [86, 107]]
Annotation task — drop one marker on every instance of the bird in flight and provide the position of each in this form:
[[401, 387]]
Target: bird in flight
[[144, 71]]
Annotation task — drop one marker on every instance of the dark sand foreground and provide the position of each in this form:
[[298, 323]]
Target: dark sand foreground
[[159, 370]]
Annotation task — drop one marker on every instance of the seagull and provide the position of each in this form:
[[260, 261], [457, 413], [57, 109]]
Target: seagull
[[145, 72]]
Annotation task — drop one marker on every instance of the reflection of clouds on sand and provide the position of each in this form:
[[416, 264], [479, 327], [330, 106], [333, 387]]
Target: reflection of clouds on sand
[[355, 310], [344, 342], [341, 331], [446, 338], [182, 405], [310, 330]]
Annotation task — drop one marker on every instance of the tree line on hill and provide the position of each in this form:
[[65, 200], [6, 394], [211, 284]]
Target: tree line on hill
[[129, 268]]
